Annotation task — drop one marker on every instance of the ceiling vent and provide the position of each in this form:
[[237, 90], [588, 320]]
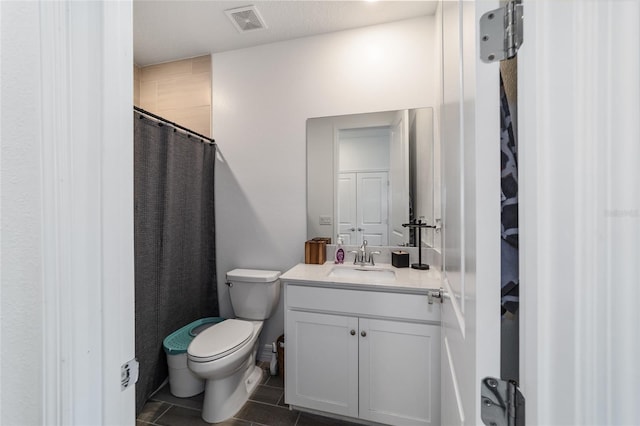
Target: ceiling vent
[[246, 19]]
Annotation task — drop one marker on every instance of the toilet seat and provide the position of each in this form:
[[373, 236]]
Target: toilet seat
[[220, 340]]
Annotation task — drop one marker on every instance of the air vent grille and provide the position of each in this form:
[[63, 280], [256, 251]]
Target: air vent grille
[[246, 19]]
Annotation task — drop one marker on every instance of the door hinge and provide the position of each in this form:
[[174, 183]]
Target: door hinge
[[501, 402], [129, 373], [501, 33]]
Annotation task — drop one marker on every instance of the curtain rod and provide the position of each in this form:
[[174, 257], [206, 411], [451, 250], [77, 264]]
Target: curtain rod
[[171, 123]]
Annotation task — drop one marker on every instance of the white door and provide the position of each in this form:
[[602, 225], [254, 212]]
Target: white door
[[470, 135], [346, 203], [362, 208], [399, 179], [390, 391], [579, 133], [372, 208]]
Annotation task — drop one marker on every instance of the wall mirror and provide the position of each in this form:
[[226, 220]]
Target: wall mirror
[[368, 174]]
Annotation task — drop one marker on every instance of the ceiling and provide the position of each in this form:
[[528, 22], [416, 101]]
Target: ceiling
[[176, 29]]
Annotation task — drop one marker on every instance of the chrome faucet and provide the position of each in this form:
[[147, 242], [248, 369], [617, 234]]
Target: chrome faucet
[[363, 251], [371, 253], [361, 257]]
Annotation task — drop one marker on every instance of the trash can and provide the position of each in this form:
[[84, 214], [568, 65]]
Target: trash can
[[182, 382], [280, 345]]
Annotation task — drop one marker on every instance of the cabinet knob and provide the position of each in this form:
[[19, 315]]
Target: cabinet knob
[[353, 332], [363, 333]]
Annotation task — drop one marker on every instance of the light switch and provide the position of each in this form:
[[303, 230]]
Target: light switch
[[325, 220]]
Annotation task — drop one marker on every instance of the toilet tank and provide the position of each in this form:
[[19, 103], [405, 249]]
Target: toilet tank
[[254, 293]]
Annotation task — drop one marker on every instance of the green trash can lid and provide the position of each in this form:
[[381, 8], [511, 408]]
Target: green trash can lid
[[178, 341]]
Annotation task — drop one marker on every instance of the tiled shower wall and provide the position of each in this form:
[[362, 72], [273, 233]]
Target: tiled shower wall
[[179, 91]]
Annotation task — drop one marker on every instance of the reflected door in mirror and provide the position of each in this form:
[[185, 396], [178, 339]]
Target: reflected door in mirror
[[347, 216], [341, 149], [363, 208], [399, 179], [363, 176]]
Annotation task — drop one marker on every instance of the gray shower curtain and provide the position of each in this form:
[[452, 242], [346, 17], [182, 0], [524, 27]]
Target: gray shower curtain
[[175, 271]]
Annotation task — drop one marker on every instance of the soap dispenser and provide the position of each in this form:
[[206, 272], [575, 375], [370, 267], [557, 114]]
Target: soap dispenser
[[339, 252]]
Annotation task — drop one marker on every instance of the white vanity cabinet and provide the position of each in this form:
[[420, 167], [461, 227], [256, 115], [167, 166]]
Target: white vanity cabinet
[[321, 357], [372, 355]]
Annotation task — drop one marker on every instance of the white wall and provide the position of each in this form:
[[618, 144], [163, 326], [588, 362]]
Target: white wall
[[21, 296], [262, 97], [363, 150]]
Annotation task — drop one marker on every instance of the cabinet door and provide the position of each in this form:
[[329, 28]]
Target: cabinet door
[[321, 362], [399, 372]]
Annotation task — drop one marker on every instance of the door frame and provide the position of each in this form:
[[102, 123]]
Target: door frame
[[87, 250], [399, 130]]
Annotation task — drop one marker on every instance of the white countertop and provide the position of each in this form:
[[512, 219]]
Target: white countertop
[[407, 280]]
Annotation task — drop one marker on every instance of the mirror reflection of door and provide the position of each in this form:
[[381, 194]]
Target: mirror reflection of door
[[362, 207], [362, 199], [399, 179], [413, 190], [346, 206]]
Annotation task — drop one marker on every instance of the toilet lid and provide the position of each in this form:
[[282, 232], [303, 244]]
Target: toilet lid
[[253, 275], [219, 340]]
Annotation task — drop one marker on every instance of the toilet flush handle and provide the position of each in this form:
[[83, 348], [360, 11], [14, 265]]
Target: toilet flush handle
[[229, 283]]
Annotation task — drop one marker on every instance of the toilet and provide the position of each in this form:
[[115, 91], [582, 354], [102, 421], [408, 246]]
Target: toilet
[[224, 355]]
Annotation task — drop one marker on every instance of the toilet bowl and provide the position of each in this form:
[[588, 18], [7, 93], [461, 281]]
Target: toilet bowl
[[224, 355]]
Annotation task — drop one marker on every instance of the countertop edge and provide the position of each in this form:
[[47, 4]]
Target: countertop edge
[[358, 286], [408, 281]]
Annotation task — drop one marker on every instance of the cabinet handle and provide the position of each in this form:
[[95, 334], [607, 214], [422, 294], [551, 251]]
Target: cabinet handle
[[363, 333], [353, 332]]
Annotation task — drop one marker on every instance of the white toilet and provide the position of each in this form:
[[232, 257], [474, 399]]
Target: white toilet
[[224, 355]]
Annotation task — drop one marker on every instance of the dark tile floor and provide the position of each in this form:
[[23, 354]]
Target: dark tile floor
[[265, 407]]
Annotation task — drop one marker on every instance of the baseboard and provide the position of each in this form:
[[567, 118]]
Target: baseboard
[[350, 420], [265, 353]]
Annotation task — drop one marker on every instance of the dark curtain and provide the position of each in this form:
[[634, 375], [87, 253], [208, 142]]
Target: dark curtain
[[509, 208], [174, 224]]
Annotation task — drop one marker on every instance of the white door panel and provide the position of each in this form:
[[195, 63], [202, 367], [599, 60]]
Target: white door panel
[[470, 134], [363, 209], [346, 208], [579, 133], [372, 208]]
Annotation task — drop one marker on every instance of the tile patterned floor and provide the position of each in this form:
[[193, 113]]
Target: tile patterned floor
[[265, 407]]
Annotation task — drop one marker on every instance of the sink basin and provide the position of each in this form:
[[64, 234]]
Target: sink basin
[[368, 273]]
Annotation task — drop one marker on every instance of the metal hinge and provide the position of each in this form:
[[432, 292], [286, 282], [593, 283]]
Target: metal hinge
[[129, 373], [502, 403], [501, 32]]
